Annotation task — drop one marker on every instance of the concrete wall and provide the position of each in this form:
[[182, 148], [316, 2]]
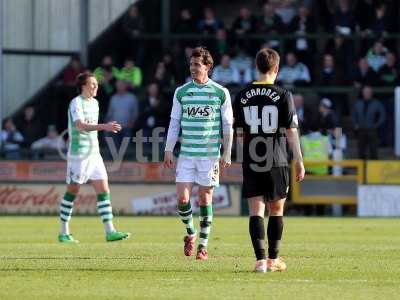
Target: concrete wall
[[49, 25]]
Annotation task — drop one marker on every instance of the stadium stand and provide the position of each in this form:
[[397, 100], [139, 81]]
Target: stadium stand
[[330, 49]]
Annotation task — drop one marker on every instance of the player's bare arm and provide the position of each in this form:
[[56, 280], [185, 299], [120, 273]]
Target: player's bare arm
[[226, 155], [294, 144], [112, 126], [168, 159]]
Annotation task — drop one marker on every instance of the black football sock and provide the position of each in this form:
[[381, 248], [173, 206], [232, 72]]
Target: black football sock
[[274, 233], [257, 234]]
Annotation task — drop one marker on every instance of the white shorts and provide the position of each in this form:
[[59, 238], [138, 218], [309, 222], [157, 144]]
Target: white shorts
[[203, 171], [81, 170]]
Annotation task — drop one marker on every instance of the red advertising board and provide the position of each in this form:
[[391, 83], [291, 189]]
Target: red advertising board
[[25, 171]]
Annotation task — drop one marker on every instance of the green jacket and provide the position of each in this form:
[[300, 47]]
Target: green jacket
[[132, 75]]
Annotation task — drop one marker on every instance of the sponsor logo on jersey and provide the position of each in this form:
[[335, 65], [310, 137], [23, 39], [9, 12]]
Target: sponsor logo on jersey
[[200, 111]]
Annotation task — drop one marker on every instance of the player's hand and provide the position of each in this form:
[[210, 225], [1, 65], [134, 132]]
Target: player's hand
[[225, 160], [300, 171], [168, 159], [113, 126]]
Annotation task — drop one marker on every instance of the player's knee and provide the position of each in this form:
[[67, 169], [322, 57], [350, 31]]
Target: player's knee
[[183, 199], [205, 199], [275, 208], [73, 188]]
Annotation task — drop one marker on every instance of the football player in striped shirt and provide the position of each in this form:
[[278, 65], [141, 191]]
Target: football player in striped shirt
[[202, 110], [84, 161]]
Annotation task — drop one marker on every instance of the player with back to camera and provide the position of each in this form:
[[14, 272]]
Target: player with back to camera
[[202, 109], [266, 115], [84, 161]]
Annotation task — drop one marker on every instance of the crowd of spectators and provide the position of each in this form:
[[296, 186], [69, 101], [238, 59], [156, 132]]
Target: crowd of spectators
[[138, 94]]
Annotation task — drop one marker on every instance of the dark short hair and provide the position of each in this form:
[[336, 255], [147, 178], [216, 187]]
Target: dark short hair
[[81, 80], [204, 54], [266, 60]]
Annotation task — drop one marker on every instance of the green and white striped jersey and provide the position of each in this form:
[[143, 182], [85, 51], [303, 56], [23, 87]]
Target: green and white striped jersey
[[82, 143], [202, 111]]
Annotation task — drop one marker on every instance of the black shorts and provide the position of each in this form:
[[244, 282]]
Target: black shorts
[[273, 185]]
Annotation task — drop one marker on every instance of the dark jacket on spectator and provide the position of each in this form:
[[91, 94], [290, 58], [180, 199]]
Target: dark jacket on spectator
[[368, 78], [388, 76], [368, 114]]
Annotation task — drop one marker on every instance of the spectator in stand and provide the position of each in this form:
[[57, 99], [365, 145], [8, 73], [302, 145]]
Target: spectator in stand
[[304, 114], [221, 42], [343, 53], [133, 26], [244, 63], [107, 67], [377, 22], [67, 90], [131, 74], [163, 78], [30, 127], [388, 74], [380, 24], [376, 56], [123, 108], [344, 21], [364, 75], [225, 73], [243, 25], [185, 25], [170, 66], [301, 25], [11, 140], [106, 76], [327, 120], [325, 11], [209, 24], [365, 12], [332, 76], [52, 143], [70, 73], [368, 115], [285, 9], [153, 116], [270, 23], [329, 75], [343, 24], [294, 73], [183, 65], [154, 95]]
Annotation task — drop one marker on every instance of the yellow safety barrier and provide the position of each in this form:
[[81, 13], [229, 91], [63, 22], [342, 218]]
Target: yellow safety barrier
[[298, 198], [383, 172]]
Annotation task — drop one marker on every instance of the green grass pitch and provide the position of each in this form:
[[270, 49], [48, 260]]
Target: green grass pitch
[[327, 258]]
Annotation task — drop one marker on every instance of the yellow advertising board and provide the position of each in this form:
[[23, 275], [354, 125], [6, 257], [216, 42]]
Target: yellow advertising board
[[383, 172]]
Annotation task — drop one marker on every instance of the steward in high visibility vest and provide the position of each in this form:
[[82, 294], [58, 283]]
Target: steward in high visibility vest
[[315, 147]]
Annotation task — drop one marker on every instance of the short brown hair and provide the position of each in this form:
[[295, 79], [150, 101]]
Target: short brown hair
[[266, 60], [204, 54], [81, 80]]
